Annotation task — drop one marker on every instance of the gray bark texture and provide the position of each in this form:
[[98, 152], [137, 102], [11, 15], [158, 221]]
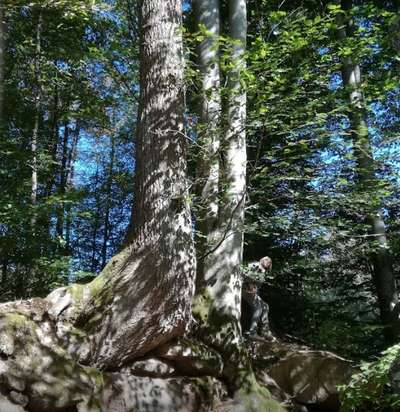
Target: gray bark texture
[[220, 276], [110, 178], [225, 277], [143, 297], [221, 218], [383, 275], [2, 53], [35, 131], [208, 165]]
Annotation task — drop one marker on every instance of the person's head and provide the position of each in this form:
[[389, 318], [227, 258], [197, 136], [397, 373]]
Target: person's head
[[250, 286], [265, 264]]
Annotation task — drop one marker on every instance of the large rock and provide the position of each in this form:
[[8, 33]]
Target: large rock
[[35, 369], [152, 367], [192, 358], [38, 372], [42, 359], [7, 406], [125, 393], [311, 377], [298, 376]]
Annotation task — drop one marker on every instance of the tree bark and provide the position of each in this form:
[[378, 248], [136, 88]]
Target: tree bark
[[108, 203], [143, 296], [383, 275], [148, 286], [2, 53], [208, 165], [35, 131], [225, 278], [70, 178], [63, 182], [52, 144], [218, 300], [95, 225]]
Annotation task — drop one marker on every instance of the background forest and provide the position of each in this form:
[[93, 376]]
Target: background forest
[[67, 154]]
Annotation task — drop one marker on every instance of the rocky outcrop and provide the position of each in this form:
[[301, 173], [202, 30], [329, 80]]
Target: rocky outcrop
[[44, 368], [152, 367], [312, 377], [192, 358], [39, 372], [308, 378], [123, 393]]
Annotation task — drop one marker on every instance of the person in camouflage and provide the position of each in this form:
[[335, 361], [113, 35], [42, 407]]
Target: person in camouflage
[[254, 319]]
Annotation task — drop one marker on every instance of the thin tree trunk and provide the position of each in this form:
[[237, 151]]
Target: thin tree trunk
[[365, 168], [63, 182], [2, 53], [94, 262], [226, 281], [4, 273], [108, 203], [53, 144], [70, 178], [34, 141], [208, 165], [220, 294]]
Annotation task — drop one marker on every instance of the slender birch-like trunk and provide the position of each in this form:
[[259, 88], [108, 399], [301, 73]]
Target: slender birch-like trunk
[[225, 277], [219, 294], [35, 131], [69, 184], [63, 182], [2, 53], [220, 223], [208, 165], [95, 226], [365, 169], [52, 145], [108, 203]]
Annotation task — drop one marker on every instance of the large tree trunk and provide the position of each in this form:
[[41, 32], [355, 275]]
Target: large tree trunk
[[143, 297], [365, 171], [148, 287]]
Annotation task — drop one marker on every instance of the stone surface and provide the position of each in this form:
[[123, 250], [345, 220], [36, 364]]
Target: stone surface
[[394, 376], [152, 367], [275, 390], [125, 393], [18, 398], [192, 358], [311, 377], [41, 366], [7, 406], [251, 403]]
